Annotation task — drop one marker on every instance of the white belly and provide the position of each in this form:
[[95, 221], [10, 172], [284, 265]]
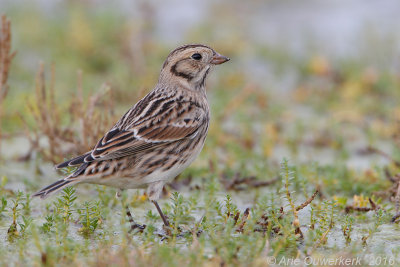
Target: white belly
[[131, 181]]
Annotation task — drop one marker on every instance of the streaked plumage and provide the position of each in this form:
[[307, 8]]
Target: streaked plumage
[[159, 136]]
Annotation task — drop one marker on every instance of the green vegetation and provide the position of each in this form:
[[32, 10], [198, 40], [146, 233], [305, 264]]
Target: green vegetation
[[289, 171]]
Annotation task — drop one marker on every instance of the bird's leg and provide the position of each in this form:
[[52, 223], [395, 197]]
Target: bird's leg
[[165, 220], [154, 191], [134, 225]]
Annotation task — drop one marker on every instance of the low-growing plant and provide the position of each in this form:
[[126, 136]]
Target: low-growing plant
[[64, 204], [3, 205], [180, 212], [347, 228], [13, 230], [89, 217]]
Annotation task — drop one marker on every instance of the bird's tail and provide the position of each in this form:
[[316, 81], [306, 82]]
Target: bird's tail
[[54, 188]]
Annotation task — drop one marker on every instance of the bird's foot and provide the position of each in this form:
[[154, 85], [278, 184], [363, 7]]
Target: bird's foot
[[137, 228], [178, 232]]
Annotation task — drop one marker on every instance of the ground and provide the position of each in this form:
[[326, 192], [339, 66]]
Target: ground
[[301, 164]]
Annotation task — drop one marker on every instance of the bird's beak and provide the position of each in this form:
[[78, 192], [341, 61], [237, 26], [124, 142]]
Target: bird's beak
[[219, 59]]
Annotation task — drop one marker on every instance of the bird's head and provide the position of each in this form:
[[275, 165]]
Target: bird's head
[[190, 64]]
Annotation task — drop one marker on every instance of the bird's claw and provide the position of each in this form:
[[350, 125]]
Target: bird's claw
[[137, 227]]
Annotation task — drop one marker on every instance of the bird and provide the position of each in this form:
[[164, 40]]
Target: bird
[[157, 138]]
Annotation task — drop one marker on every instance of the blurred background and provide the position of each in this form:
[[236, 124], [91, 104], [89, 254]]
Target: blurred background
[[308, 80], [313, 82]]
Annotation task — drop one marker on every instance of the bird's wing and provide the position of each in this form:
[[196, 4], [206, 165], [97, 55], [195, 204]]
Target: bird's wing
[[157, 123]]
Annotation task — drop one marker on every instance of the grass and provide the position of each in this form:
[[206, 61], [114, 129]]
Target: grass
[[209, 225], [306, 173]]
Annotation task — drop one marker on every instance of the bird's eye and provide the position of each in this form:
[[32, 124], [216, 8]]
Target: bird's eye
[[196, 56]]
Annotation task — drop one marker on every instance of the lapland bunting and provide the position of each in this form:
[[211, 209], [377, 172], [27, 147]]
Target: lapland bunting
[[158, 137]]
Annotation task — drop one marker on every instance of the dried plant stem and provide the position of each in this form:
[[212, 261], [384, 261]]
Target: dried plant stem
[[289, 197], [80, 110], [375, 150], [296, 222], [244, 220], [397, 203], [69, 138], [397, 197], [322, 240], [308, 201], [374, 206], [6, 57], [395, 217]]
